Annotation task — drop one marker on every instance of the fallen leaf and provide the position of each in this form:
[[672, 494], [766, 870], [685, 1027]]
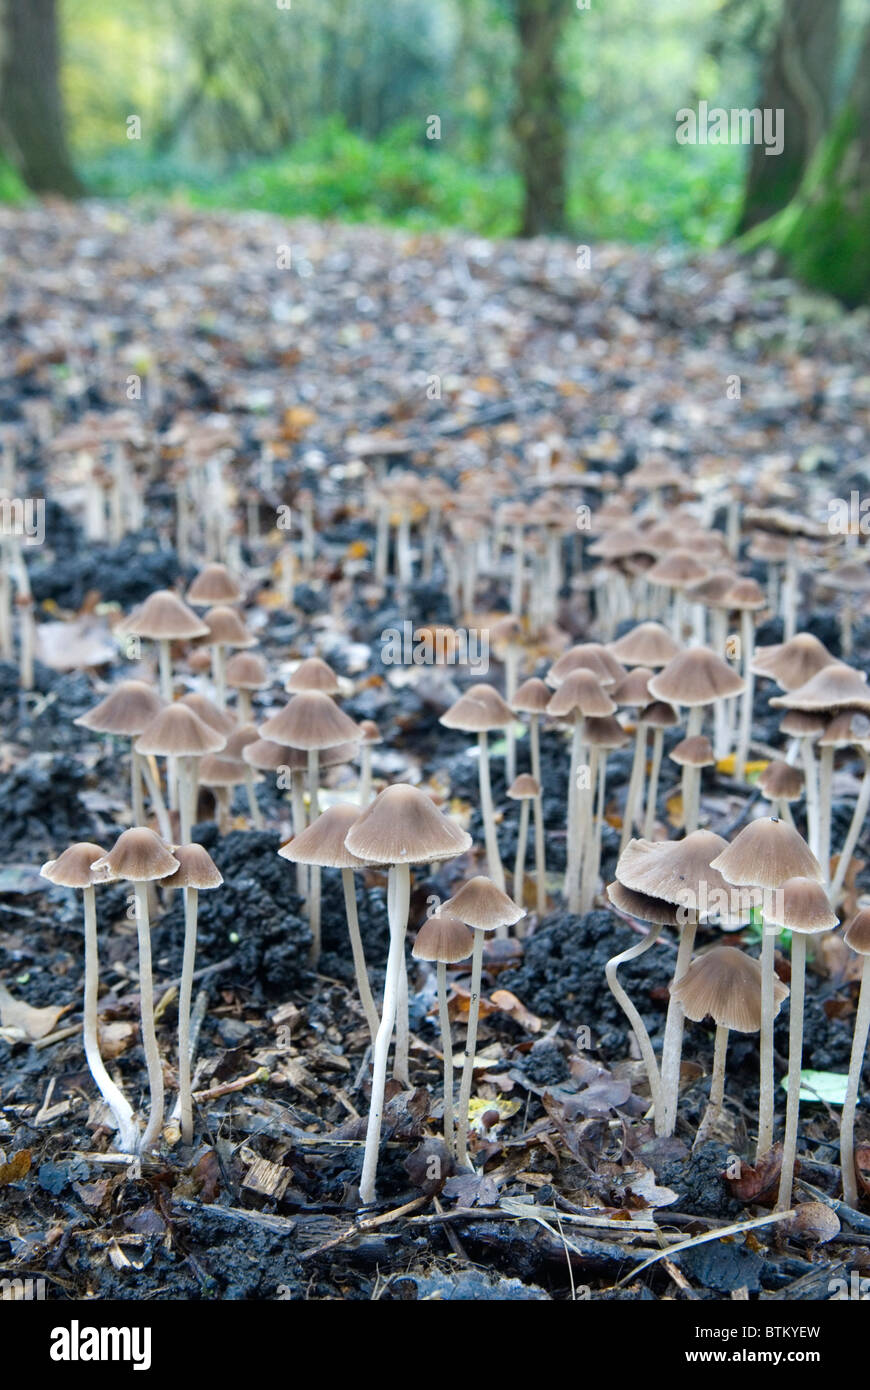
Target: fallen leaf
[[29, 1022], [17, 1168]]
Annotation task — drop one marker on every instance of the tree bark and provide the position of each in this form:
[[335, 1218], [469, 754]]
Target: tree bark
[[537, 121], [798, 80], [31, 110]]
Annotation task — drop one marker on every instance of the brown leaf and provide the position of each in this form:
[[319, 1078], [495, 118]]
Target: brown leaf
[[758, 1184], [17, 1168], [31, 1023], [510, 1004], [207, 1174]]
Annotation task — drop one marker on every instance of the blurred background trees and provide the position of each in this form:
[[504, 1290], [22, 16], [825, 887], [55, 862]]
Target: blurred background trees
[[504, 117]]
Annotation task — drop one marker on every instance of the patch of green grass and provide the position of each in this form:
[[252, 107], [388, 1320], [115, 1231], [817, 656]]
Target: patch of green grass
[[12, 190]]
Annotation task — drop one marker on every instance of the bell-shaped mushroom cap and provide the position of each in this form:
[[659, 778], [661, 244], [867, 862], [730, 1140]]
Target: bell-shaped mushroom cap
[[695, 677], [214, 584], [589, 656], [313, 674], [138, 855], [765, 854], [523, 787], [226, 629], [801, 904], [791, 664], [505, 631], [322, 842], [480, 904], [532, 697], [73, 868], [659, 715], [443, 938], [632, 690], [678, 569], [247, 671], [178, 732], [851, 578], [479, 709], [848, 727], [683, 872], [799, 723], [218, 770], [745, 595], [725, 984], [648, 644], [267, 756], [581, 692], [311, 720], [209, 713], [402, 826], [713, 590], [371, 732], [126, 710], [605, 732], [857, 934], [164, 617], [781, 782], [239, 739], [696, 751], [642, 906], [196, 869], [835, 686]]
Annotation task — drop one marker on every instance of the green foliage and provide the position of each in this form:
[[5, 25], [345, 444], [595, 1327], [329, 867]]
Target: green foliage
[[12, 190]]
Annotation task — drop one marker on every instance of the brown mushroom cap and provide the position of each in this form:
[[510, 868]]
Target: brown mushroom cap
[[798, 723], [801, 905], [209, 713], [313, 674], [524, 787], [684, 872], [781, 782], [725, 984], [632, 690], [239, 740], [137, 855], [642, 906], [179, 732], [443, 938], [483, 906], [218, 770], [322, 842], [247, 671], [713, 590], [696, 677], [73, 868], [267, 756], [765, 854], [126, 710], [371, 732], [848, 727], [532, 697], [581, 692], [481, 708], [589, 656], [311, 720], [226, 629], [696, 751], [791, 664], [659, 715], [214, 584], [857, 933], [196, 869], [402, 826], [835, 686], [605, 732], [164, 617], [678, 569], [744, 596]]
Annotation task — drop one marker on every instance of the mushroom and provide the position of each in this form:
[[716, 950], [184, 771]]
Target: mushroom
[[322, 843], [781, 784], [196, 871], [803, 909], [246, 671], [237, 741], [803, 729], [481, 905], [73, 869], [127, 709], [725, 984], [139, 856], [181, 737], [225, 629], [765, 855], [532, 698], [746, 598], [857, 936], [163, 619], [480, 709], [657, 716], [693, 753], [446, 941], [696, 678], [678, 571], [400, 828], [580, 696], [791, 664], [632, 693], [523, 789], [214, 584], [602, 735], [220, 773], [506, 636], [851, 580], [313, 674], [371, 736], [853, 729]]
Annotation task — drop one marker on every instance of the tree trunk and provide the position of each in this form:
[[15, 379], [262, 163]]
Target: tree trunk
[[31, 110], [537, 121], [798, 80]]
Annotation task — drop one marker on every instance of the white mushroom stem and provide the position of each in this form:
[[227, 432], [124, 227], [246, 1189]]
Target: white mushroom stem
[[634, 795], [185, 991], [691, 778], [826, 777], [219, 673], [672, 1047], [356, 946], [653, 787], [747, 642], [518, 571], [638, 1026], [244, 712], [856, 1063], [493, 860], [765, 1042], [165, 669], [717, 1087], [253, 804], [790, 594], [846, 627], [146, 1010], [588, 871], [795, 1050], [122, 1111], [511, 666], [576, 819], [811, 793], [365, 775], [401, 1072], [858, 817], [137, 795], [398, 901], [187, 796], [297, 802], [540, 863], [520, 861], [314, 871], [447, 1054], [470, 1044], [156, 795], [382, 540]]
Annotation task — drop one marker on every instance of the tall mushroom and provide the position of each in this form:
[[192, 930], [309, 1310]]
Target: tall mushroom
[[73, 869], [214, 584], [246, 672], [781, 784], [523, 789], [480, 709], [181, 737], [579, 697], [602, 736], [857, 936], [532, 699], [506, 639], [225, 631], [124, 713], [400, 828], [632, 693], [446, 941], [695, 753], [746, 598], [164, 619], [657, 716]]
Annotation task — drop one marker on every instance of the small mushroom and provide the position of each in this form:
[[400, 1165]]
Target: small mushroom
[[445, 940], [181, 737], [781, 784], [225, 631], [693, 753], [246, 672], [480, 709], [127, 709], [523, 789], [532, 699], [164, 619]]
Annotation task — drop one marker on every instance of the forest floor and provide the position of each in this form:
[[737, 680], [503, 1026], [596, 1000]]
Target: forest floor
[[471, 352]]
